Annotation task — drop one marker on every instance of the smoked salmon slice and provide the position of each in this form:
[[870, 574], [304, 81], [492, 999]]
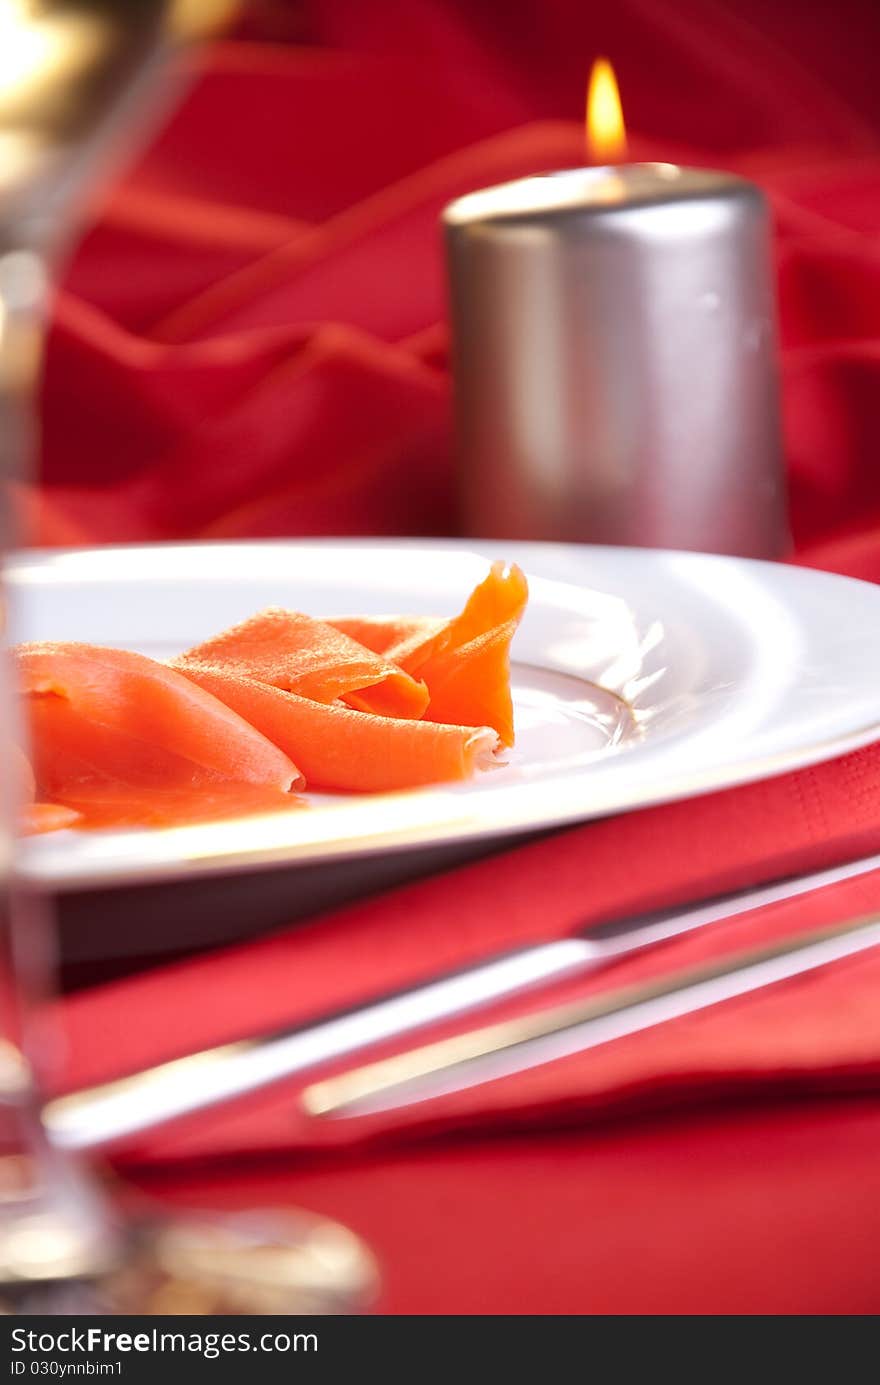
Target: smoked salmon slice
[[46, 817], [291, 651], [382, 633], [357, 704], [36, 817], [107, 725], [95, 806], [464, 661], [23, 776], [340, 748]]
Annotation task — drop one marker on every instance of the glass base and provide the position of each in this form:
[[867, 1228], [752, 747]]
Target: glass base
[[246, 1264]]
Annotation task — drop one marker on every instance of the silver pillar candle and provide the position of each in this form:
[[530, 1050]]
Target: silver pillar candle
[[614, 347]]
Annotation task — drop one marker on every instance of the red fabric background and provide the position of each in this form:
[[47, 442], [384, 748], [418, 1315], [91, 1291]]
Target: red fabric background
[[250, 341]]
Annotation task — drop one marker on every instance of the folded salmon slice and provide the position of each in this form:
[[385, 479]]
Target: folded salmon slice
[[35, 818], [116, 729], [96, 806], [23, 776], [234, 724], [384, 633], [291, 651], [464, 661], [340, 748]]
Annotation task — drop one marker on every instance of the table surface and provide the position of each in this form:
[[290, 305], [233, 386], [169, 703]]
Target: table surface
[[763, 1208]]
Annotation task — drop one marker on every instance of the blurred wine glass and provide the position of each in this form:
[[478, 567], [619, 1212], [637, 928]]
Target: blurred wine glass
[[80, 80], [74, 75]]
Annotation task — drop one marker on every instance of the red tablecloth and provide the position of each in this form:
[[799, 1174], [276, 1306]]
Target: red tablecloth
[[251, 341], [760, 1208]]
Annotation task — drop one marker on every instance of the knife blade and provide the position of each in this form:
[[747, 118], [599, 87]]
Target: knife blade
[[514, 1046], [112, 1112]]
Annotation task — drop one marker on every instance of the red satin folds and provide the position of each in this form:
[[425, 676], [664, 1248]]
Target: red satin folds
[[251, 338]]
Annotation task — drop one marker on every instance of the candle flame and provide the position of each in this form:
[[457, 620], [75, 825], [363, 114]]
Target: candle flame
[[606, 132]]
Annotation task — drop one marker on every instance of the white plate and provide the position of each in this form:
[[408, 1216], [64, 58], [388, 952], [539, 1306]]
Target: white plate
[[639, 676]]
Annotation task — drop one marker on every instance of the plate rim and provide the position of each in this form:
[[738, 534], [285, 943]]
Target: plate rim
[[515, 821]]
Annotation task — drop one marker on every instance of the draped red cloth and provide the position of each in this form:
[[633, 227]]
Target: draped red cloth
[[251, 338], [250, 341]]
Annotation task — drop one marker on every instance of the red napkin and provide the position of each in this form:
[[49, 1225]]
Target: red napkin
[[820, 1031]]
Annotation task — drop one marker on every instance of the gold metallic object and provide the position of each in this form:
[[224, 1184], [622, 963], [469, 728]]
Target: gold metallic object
[[249, 1263]]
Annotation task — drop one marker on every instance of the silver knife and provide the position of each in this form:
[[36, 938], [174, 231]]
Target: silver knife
[[528, 1041], [116, 1111]]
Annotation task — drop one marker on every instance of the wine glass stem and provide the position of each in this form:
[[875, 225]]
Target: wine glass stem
[[53, 1223]]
